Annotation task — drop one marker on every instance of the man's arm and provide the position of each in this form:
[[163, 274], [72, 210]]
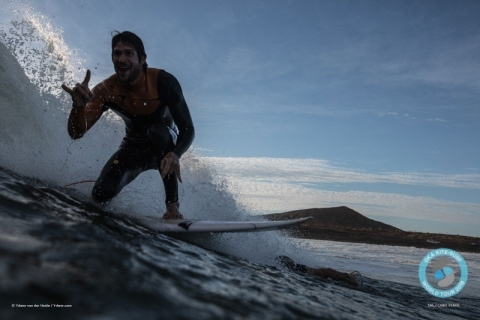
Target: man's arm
[[84, 112], [178, 108], [181, 116], [81, 119]]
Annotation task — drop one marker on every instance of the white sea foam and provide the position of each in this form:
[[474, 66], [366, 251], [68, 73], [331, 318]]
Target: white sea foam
[[35, 62], [388, 263]]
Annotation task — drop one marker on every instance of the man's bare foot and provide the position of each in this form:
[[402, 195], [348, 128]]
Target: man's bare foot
[[172, 212], [355, 278]]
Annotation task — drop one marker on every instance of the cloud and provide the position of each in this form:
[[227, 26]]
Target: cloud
[[436, 120], [278, 185], [200, 150], [321, 171], [453, 65], [279, 197]]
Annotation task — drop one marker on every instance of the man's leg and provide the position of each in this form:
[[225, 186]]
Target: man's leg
[[163, 140], [290, 264], [121, 169], [354, 278], [320, 272]]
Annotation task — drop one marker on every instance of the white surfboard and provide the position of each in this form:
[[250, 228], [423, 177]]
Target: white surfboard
[[162, 225]]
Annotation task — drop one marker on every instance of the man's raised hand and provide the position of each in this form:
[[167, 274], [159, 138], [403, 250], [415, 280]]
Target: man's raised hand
[[80, 94]]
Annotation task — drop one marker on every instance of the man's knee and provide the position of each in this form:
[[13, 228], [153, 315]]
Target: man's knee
[[159, 134], [103, 195], [161, 137]]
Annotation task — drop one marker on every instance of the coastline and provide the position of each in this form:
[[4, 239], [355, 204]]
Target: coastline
[[396, 238], [343, 224]]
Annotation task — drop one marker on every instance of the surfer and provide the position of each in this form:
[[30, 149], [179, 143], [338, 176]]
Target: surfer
[[354, 278], [159, 128]]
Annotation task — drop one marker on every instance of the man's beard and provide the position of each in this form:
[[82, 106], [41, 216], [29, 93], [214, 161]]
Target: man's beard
[[130, 75]]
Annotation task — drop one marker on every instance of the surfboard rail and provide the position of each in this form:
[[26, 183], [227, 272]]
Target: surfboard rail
[[192, 226]]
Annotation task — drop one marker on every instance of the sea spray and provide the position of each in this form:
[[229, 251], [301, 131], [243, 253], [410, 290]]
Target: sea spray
[[40, 49], [35, 142]]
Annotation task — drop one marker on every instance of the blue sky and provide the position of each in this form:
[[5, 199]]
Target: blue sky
[[369, 104]]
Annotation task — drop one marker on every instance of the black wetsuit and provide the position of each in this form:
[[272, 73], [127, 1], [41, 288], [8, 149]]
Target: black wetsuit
[[149, 135], [290, 264]]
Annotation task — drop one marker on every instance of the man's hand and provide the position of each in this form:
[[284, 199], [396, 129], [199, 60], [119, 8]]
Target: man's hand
[[170, 164], [81, 94]]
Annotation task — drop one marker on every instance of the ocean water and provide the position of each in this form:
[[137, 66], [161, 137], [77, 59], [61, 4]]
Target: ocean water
[[63, 257], [68, 258]]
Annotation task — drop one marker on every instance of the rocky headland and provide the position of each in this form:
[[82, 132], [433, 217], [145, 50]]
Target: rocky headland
[[347, 225]]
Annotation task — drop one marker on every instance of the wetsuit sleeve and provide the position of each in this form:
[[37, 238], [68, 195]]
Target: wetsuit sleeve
[[170, 91], [290, 264], [81, 119]]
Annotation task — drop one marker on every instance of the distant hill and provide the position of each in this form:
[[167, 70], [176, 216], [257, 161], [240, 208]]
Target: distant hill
[[346, 225], [338, 217]]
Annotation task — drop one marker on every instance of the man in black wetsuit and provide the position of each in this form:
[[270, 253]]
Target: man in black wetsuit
[[159, 128], [354, 278]]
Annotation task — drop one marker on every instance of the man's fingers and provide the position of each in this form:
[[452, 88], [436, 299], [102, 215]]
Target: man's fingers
[[86, 94], [64, 87], [162, 165], [165, 167], [87, 78], [169, 165], [80, 90], [178, 175]]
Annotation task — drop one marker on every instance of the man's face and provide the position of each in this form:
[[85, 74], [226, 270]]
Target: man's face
[[126, 63]]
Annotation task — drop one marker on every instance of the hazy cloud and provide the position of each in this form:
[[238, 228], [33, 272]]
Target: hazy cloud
[[272, 184], [322, 171]]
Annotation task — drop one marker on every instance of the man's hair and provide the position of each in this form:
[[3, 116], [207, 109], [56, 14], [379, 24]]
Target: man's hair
[[132, 39]]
